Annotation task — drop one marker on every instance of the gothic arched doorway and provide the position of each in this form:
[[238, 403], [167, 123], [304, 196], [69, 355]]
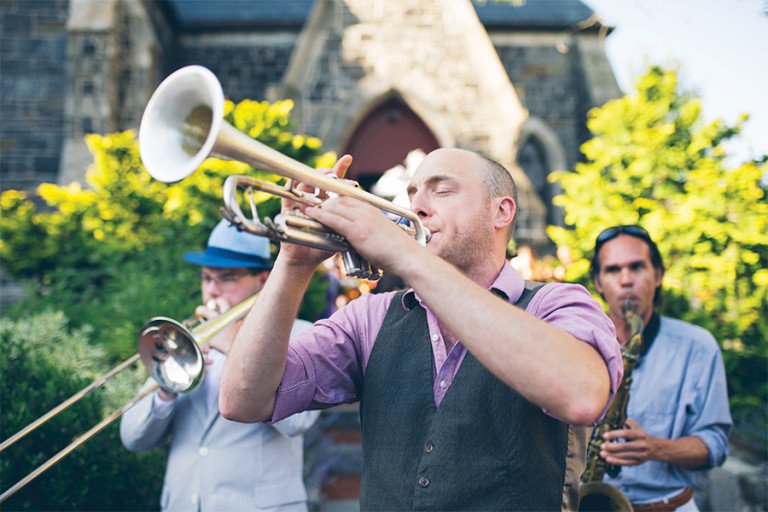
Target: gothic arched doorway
[[534, 161], [384, 138]]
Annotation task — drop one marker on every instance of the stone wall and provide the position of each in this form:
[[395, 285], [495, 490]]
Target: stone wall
[[740, 485], [435, 56], [114, 57], [32, 83], [549, 84], [245, 63]]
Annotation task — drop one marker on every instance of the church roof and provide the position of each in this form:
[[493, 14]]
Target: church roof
[[222, 14], [234, 14], [532, 14]]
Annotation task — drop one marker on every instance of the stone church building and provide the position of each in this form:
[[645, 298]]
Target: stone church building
[[511, 79], [374, 78]]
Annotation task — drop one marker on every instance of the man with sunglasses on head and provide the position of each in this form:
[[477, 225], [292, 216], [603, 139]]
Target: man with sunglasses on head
[[215, 464], [678, 415]]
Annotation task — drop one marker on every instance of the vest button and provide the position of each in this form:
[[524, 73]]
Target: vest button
[[429, 447], [424, 481]]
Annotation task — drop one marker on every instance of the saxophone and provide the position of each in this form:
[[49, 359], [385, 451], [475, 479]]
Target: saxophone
[[596, 495]]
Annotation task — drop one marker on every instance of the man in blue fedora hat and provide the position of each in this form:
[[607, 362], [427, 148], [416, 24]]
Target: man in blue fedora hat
[[214, 463]]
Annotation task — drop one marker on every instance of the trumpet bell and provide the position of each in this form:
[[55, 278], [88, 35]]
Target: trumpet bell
[[184, 123], [180, 124], [171, 355]]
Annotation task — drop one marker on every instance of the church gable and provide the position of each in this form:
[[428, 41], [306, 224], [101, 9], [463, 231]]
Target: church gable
[[355, 50], [437, 58]]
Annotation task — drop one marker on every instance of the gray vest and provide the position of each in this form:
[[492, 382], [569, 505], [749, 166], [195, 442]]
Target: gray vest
[[484, 448]]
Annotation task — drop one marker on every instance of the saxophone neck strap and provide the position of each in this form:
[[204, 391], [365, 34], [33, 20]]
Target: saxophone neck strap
[[649, 334]]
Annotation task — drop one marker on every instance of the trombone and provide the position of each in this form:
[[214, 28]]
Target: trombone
[[170, 352], [183, 125]]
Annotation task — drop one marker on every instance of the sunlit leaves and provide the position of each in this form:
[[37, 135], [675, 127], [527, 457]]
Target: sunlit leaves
[[124, 210]]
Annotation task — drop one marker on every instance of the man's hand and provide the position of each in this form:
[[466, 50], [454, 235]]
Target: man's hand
[[367, 229], [686, 451], [211, 309], [298, 255], [165, 395], [214, 308], [637, 448]]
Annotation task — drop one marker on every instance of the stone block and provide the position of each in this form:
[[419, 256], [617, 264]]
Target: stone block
[[723, 491]]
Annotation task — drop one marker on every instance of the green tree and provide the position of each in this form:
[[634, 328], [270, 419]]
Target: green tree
[[652, 160]]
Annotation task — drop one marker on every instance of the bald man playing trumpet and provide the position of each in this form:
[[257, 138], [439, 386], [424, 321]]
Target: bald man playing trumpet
[[468, 382]]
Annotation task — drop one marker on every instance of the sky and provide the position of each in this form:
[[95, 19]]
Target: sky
[[719, 47]]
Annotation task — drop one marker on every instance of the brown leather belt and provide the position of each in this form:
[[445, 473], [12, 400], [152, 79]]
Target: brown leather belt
[[666, 506]]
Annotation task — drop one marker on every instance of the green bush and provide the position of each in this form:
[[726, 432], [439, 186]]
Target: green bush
[[45, 362]]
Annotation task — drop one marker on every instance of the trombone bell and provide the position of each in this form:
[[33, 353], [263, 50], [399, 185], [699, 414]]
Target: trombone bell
[[171, 355]]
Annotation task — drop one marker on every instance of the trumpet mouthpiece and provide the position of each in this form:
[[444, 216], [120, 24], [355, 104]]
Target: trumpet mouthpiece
[[211, 304]]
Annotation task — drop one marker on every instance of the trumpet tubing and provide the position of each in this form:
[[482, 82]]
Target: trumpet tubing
[[183, 125]]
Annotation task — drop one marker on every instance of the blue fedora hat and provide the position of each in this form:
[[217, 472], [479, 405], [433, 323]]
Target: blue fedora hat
[[229, 248]]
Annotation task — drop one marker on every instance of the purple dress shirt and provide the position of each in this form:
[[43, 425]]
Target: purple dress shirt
[[326, 363]]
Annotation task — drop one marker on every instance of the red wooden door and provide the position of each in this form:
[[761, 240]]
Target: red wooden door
[[384, 138]]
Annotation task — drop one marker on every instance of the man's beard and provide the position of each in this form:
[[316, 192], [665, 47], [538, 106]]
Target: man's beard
[[473, 244]]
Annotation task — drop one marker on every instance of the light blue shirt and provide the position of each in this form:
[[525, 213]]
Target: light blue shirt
[[678, 389]]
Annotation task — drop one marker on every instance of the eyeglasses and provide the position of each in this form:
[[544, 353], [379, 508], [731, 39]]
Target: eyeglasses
[[223, 279], [613, 232]]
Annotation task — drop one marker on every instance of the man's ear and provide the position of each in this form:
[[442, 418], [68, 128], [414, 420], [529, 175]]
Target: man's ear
[[263, 277], [659, 275], [598, 286], [505, 212]]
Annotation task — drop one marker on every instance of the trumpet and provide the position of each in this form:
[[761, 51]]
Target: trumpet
[[183, 125], [170, 352]]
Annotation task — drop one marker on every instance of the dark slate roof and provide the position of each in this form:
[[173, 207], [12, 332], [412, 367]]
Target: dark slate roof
[[195, 14], [233, 14], [532, 14]]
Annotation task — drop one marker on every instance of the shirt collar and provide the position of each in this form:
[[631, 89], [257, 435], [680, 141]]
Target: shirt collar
[[509, 285]]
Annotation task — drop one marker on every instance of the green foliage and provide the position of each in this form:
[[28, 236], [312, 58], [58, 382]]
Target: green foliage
[[109, 257], [125, 211], [43, 363], [653, 161]]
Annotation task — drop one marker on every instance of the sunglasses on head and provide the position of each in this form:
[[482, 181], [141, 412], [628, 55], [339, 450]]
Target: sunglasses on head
[[613, 232]]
